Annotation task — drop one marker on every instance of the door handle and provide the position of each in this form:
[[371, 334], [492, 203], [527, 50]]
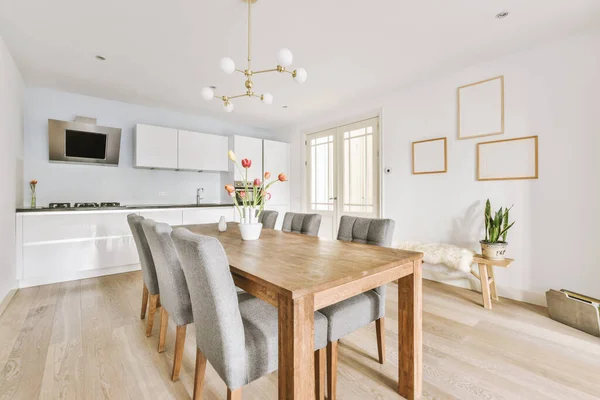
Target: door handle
[[333, 198]]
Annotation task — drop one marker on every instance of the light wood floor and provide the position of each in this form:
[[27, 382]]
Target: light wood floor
[[84, 340]]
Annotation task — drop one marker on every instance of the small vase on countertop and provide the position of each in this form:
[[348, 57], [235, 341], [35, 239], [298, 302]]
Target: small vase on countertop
[[222, 224], [33, 185]]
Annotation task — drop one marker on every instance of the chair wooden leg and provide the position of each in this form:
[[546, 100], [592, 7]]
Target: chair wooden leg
[[380, 328], [151, 314], [144, 301], [320, 360], [178, 356], [332, 356], [199, 375], [234, 394], [164, 325]]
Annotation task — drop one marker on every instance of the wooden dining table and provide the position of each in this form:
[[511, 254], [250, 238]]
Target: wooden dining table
[[301, 274]]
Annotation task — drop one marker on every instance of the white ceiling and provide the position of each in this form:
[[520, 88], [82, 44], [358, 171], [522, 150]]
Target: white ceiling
[[161, 53]]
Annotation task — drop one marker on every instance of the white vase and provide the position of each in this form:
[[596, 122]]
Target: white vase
[[249, 215], [222, 224], [250, 231]]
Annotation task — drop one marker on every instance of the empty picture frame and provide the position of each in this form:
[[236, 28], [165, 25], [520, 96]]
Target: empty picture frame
[[481, 108], [430, 156], [508, 159]]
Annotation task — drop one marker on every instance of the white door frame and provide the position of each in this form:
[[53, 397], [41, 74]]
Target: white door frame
[[333, 126]]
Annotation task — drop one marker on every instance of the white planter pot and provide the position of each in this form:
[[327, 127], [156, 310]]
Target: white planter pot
[[493, 251], [250, 231]]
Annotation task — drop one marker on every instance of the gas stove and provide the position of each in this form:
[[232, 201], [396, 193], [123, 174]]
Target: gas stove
[[111, 204]]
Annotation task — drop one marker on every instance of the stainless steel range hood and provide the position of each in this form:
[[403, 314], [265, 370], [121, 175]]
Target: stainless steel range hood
[[83, 143]]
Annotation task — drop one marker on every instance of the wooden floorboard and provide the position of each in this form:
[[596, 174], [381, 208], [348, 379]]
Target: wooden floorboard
[[84, 340]]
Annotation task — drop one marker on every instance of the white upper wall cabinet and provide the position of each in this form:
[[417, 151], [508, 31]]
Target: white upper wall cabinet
[[277, 160], [155, 147], [202, 151], [250, 148]]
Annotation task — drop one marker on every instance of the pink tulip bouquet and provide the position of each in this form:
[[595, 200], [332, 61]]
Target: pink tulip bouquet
[[251, 206]]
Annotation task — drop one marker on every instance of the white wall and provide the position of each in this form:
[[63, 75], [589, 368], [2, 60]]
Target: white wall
[[11, 164], [551, 91], [84, 183]]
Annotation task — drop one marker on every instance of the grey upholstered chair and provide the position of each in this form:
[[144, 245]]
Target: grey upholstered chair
[[148, 270], [268, 218], [307, 224], [236, 332], [175, 297], [358, 311]]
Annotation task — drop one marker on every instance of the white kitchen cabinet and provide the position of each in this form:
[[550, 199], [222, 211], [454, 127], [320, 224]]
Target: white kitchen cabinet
[[59, 246], [167, 216], [209, 215], [202, 152], [250, 148], [276, 156], [155, 147]]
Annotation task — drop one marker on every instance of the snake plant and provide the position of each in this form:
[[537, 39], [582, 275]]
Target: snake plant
[[497, 225]]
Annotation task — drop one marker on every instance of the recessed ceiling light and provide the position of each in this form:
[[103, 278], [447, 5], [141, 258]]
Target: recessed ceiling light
[[501, 15], [100, 58], [284, 106], [213, 87]]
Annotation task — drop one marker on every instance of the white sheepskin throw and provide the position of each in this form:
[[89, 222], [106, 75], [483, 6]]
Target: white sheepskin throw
[[451, 256]]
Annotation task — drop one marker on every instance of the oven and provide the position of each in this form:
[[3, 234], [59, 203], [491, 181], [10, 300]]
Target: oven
[[240, 188]]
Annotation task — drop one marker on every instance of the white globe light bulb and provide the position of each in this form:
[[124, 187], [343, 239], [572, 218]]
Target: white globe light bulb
[[300, 75], [267, 98], [207, 94], [228, 106], [285, 57], [227, 65]]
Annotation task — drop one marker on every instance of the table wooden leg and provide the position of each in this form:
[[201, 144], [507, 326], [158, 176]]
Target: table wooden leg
[[493, 289], [485, 286], [296, 347], [410, 334]]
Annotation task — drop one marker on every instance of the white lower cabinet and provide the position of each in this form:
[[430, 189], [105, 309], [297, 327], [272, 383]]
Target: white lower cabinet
[[62, 246], [210, 215], [171, 217]]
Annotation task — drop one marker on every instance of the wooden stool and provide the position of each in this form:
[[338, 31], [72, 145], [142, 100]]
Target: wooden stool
[[486, 276]]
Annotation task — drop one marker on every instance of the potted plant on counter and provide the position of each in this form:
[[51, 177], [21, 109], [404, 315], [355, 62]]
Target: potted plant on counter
[[252, 198], [493, 247]]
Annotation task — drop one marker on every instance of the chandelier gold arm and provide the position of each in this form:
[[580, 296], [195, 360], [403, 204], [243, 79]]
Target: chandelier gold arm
[[226, 98], [278, 69]]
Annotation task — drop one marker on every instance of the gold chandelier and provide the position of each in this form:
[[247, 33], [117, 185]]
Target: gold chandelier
[[285, 59]]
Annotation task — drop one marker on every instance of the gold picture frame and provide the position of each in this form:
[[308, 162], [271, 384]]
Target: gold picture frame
[[531, 163], [420, 170], [480, 103]]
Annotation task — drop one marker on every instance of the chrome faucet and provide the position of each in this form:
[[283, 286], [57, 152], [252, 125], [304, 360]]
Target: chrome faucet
[[199, 195]]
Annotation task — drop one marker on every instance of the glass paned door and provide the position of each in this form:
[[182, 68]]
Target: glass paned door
[[321, 178], [343, 173]]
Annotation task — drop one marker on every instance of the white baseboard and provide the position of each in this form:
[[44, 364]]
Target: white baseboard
[[78, 275], [7, 300], [459, 279]]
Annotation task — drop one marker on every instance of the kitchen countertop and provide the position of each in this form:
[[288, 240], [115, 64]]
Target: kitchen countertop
[[127, 207]]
